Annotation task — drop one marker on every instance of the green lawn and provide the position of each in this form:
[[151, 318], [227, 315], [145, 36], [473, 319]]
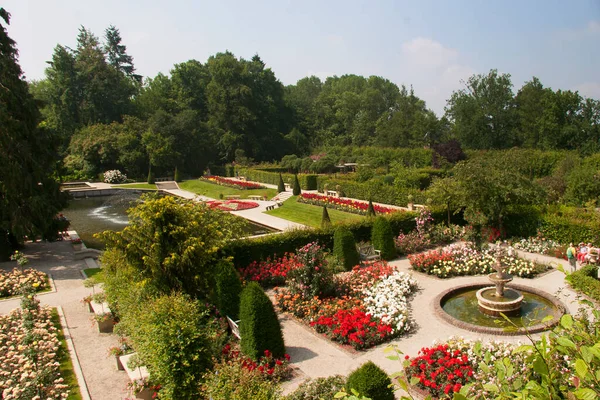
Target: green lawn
[[66, 365], [308, 214], [136, 186], [96, 273], [213, 190]]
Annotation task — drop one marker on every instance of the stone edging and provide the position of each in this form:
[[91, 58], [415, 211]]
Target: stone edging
[[85, 394], [440, 313]]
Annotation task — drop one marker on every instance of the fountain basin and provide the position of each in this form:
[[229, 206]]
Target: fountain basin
[[491, 304], [459, 306]]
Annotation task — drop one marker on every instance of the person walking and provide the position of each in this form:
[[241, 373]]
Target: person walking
[[571, 256]]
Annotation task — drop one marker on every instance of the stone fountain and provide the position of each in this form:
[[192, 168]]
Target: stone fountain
[[497, 299]]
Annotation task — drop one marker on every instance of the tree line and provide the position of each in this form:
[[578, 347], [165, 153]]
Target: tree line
[[230, 108]]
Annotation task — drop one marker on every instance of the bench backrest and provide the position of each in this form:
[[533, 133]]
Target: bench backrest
[[367, 250]]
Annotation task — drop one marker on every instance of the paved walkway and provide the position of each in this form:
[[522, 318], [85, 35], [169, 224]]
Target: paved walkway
[[103, 380], [315, 356]]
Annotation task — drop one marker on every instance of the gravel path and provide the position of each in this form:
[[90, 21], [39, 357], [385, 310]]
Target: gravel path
[[103, 380]]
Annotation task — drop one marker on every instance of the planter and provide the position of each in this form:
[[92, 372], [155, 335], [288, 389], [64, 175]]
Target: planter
[[145, 394], [120, 366], [106, 326], [90, 308]]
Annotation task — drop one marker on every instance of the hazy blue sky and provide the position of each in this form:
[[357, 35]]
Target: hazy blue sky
[[431, 45]]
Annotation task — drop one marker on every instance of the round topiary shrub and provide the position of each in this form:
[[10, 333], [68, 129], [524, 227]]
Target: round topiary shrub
[[228, 287], [370, 381], [319, 388], [259, 326], [382, 238], [344, 248]]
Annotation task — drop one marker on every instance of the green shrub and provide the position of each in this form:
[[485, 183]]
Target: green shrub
[[229, 170], [312, 278], [344, 247], [325, 220], [585, 280], [228, 287], [317, 389], [382, 238], [371, 381], [232, 381], [280, 185], [259, 326], [310, 182], [296, 189]]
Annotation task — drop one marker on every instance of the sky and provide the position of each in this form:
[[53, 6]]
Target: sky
[[435, 46]]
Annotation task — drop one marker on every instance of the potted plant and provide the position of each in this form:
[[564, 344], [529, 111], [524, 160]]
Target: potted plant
[[106, 322], [117, 351], [77, 243], [88, 300]]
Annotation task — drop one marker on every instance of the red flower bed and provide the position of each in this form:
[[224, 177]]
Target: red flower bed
[[268, 365], [353, 327], [347, 205], [439, 370], [271, 272], [219, 180], [232, 205]]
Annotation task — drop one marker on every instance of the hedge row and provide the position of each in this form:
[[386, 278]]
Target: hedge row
[[307, 181], [248, 250], [585, 281]]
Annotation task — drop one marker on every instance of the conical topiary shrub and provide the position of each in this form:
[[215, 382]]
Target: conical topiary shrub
[[228, 287], [370, 209], [325, 220], [382, 238], [344, 247], [259, 326], [280, 185], [150, 177], [177, 176], [296, 190], [370, 381]]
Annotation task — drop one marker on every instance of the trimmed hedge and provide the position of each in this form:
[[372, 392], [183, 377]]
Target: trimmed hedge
[[307, 181], [259, 326], [382, 238], [344, 247], [228, 286], [585, 280], [371, 381], [248, 250]]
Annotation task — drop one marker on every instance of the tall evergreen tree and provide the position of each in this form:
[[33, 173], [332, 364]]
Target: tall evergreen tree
[[29, 196], [117, 54]]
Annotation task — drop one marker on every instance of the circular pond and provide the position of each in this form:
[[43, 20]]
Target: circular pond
[[460, 307]]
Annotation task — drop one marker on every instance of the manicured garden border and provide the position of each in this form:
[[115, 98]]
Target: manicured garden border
[[51, 289]]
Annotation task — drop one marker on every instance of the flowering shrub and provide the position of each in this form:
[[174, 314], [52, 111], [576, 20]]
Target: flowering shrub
[[311, 277], [269, 366], [29, 353], [440, 370], [354, 327], [412, 242], [348, 205], [458, 260], [232, 205], [427, 235], [271, 272], [114, 176], [11, 282], [370, 306], [231, 182], [537, 244]]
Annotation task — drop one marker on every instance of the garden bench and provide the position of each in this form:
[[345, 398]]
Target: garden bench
[[271, 207], [368, 253], [332, 193], [234, 326], [256, 197], [233, 196]]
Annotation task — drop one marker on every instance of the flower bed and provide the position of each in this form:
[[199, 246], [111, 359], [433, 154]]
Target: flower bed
[[231, 183], [270, 272], [232, 205], [369, 306], [464, 259], [269, 366], [29, 354], [346, 205], [11, 282], [540, 245]]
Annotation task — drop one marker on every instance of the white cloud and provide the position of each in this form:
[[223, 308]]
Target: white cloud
[[589, 89], [428, 53], [434, 70]]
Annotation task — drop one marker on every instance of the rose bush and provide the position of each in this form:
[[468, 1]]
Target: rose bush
[[271, 272], [12, 281], [114, 176], [348, 205], [231, 183]]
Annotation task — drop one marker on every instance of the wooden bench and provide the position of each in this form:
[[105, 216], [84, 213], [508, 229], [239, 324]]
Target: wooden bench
[[256, 197], [368, 253], [332, 193], [233, 196], [234, 326]]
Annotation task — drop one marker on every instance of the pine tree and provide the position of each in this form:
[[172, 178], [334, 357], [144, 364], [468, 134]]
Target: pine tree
[[325, 220]]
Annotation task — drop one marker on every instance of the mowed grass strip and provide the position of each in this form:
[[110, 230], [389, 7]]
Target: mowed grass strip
[[96, 273], [136, 186], [308, 214], [66, 365], [214, 191]]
